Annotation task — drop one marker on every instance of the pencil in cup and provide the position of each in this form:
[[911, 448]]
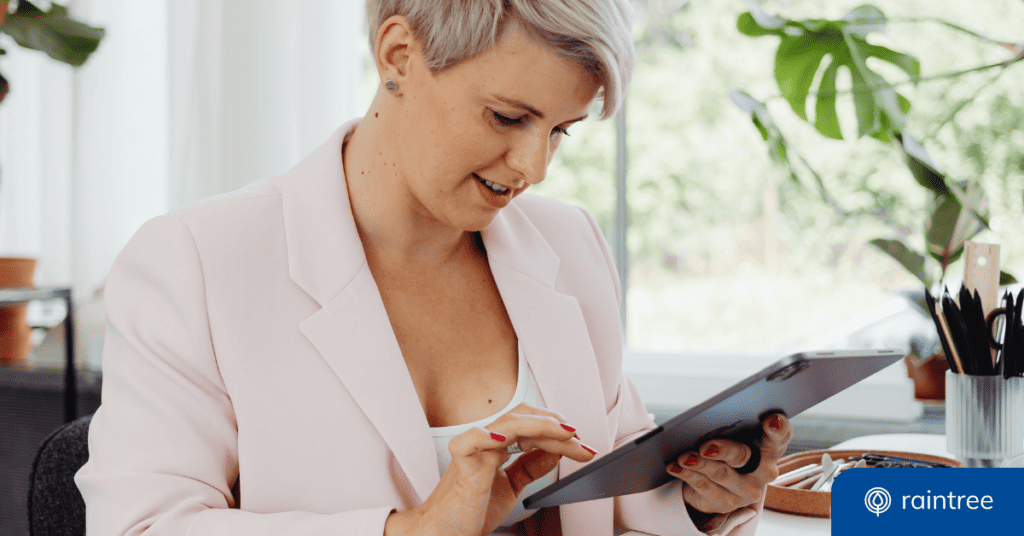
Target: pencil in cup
[[967, 338]]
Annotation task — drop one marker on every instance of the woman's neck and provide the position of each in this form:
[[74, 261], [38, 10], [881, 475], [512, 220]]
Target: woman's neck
[[393, 232]]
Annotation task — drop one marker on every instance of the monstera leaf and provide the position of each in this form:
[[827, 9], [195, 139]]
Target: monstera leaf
[[915, 263], [960, 207], [959, 214], [952, 224], [922, 167], [53, 32], [808, 44]]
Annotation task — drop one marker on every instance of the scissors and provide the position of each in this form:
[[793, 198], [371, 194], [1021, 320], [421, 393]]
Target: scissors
[[1011, 332]]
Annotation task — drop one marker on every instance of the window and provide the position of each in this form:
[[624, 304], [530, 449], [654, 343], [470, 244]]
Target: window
[[727, 255]]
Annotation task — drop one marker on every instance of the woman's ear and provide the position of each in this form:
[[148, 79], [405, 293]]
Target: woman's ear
[[392, 51]]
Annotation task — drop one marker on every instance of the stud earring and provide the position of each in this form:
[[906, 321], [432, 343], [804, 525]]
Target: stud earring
[[391, 86]]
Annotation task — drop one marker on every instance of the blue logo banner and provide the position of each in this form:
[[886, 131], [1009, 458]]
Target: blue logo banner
[[879, 502]]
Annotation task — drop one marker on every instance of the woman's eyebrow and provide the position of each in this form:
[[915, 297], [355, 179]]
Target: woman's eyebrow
[[531, 109]]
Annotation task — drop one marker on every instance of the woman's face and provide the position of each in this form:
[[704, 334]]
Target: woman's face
[[497, 117]]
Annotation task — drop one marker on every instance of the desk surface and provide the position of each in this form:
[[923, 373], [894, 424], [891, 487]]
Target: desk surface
[[778, 524]]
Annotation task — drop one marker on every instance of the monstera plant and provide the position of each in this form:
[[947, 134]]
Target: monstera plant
[[810, 54], [66, 40]]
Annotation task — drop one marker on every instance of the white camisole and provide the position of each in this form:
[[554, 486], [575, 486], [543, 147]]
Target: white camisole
[[526, 391]]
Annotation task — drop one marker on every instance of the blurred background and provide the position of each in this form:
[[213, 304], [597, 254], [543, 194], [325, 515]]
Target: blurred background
[[727, 252], [722, 248]]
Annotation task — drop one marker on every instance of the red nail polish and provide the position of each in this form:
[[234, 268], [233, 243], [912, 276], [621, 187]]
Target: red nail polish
[[690, 461], [498, 437], [712, 450], [567, 427], [588, 449], [674, 468], [774, 422]]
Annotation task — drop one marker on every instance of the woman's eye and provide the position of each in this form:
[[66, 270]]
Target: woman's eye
[[507, 120], [516, 121]]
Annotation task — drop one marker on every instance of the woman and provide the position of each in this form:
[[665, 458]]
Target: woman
[[362, 345]]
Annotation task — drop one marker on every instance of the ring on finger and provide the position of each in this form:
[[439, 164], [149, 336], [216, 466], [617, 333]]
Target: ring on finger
[[752, 463], [514, 448]]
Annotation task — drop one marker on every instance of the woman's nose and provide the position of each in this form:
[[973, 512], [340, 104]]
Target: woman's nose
[[530, 156]]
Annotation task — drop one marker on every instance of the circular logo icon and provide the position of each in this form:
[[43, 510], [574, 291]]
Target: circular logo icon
[[877, 500]]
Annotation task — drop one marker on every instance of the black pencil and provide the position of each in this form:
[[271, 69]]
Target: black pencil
[[958, 330], [966, 311], [1004, 352], [974, 317], [1017, 344]]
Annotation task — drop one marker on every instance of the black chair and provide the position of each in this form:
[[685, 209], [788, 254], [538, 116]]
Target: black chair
[[55, 507]]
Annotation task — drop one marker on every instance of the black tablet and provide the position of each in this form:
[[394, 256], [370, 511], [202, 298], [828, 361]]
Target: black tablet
[[789, 386]]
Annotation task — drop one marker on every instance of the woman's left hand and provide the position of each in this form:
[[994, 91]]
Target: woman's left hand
[[712, 484]]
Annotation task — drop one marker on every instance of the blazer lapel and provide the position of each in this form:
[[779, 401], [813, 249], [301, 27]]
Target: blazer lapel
[[556, 342], [355, 337], [549, 325], [351, 330]]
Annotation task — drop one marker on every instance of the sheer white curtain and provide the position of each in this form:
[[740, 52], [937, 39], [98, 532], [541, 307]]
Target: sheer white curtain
[[35, 161], [184, 99], [255, 85]]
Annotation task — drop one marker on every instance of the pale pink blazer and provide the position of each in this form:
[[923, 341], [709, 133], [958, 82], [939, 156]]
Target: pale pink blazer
[[247, 341]]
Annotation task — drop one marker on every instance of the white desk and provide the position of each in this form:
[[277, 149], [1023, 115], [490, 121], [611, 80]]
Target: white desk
[[774, 523]]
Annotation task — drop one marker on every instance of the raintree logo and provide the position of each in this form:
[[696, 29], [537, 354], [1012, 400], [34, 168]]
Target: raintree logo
[[877, 500], [899, 502]]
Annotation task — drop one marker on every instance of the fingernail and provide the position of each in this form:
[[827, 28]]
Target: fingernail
[[498, 437], [774, 422], [588, 449], [577, 436], [567, 427], [674, 468], [711, 450], [690, 461]]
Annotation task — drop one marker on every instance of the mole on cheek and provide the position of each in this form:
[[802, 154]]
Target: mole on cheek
[[489, 401]]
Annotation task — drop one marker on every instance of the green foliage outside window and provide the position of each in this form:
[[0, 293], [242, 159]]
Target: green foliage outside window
[[723, 239], [811, 46]]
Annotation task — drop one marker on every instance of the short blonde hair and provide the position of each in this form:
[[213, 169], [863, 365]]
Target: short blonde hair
[[596, 34]]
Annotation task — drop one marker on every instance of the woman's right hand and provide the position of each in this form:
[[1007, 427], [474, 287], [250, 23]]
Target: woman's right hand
[[473, 496]]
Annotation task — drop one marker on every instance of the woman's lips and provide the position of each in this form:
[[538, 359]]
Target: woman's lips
[[495, 199]]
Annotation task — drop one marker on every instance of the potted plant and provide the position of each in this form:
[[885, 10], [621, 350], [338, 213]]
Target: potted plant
[[65, 40], [958, 210]]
